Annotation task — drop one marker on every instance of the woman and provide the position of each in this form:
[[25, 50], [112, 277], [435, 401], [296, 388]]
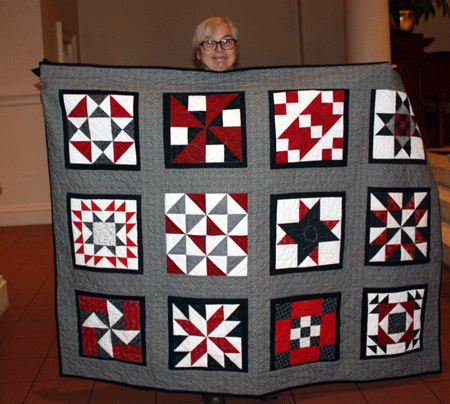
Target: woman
[[215, 44]]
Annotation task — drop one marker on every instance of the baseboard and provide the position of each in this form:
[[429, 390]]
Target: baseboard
[[3, 295], [23, 215]]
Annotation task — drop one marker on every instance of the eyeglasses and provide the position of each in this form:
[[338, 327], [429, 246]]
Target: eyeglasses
[[211, 45]]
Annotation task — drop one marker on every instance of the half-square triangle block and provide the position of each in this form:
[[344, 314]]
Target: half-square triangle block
[[207, 234]]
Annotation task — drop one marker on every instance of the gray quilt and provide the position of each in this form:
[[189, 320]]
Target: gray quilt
[[241, 232]]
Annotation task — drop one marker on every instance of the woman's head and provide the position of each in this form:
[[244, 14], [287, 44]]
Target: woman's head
[[215, 44]]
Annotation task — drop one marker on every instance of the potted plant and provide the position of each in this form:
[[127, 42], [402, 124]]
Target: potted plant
[[417, 8]]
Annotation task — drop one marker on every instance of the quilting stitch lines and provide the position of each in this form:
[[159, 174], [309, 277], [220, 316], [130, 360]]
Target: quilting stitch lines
[[101, 130], [393, 321], [204, 130], [398, 226], [395, 136], [307, 232], [207, 234], [309, 128], [106, 233], [208, 334], [305, 329], [111, 327]]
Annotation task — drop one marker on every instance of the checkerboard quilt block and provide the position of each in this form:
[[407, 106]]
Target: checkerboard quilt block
[[204, 130], [111, 327], [305, 329], [395, 136], [207, 234], [307, 232], [101, 130], [393, 321], [208, 334], [309, 128], [398, 230], [106, 233]]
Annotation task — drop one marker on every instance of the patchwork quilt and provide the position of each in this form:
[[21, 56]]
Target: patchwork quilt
[[241, 232]]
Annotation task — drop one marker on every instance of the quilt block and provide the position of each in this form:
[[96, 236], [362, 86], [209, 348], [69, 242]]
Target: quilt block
[[207, 234], [307, 232], [395, 135], [309, 128], [111, 327], [204, 130], [305, 329], [105, 233], [398, 226], [393, 321], [101, 130], [208, 334]]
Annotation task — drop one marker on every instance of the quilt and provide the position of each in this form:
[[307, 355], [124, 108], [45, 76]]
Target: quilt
[[241, 232]]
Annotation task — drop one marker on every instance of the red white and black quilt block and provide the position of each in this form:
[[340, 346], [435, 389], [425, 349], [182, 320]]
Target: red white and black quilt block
[[309, 128], [106, 233], [208, 334], [395, 136], [393, 321], [204, 130], [305, 329], [307, 232], [111, 327], [101, 130], [398, 230], [207, 234]]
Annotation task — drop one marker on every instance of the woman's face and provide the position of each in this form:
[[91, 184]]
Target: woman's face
[[218, 59]]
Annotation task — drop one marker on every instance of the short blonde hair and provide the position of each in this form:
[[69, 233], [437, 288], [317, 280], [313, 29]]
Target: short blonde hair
[[208, 29]]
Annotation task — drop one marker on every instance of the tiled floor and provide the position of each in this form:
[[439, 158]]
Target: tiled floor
[[29, 359]]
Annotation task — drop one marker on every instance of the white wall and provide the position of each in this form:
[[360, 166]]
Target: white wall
[[23, 159]]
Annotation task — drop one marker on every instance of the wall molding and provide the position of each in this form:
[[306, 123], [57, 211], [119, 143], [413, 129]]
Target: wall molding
[[31, 207], [19, 100], [22, 215]]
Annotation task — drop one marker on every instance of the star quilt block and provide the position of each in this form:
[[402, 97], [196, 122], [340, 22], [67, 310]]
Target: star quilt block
[[208, 334], [309, 128], [305, 329], [398, 231], [307, 232], [111, 327], [395, 136], [204, 130], [393, 321], [106, 233], [101, 130], [207, 234]]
